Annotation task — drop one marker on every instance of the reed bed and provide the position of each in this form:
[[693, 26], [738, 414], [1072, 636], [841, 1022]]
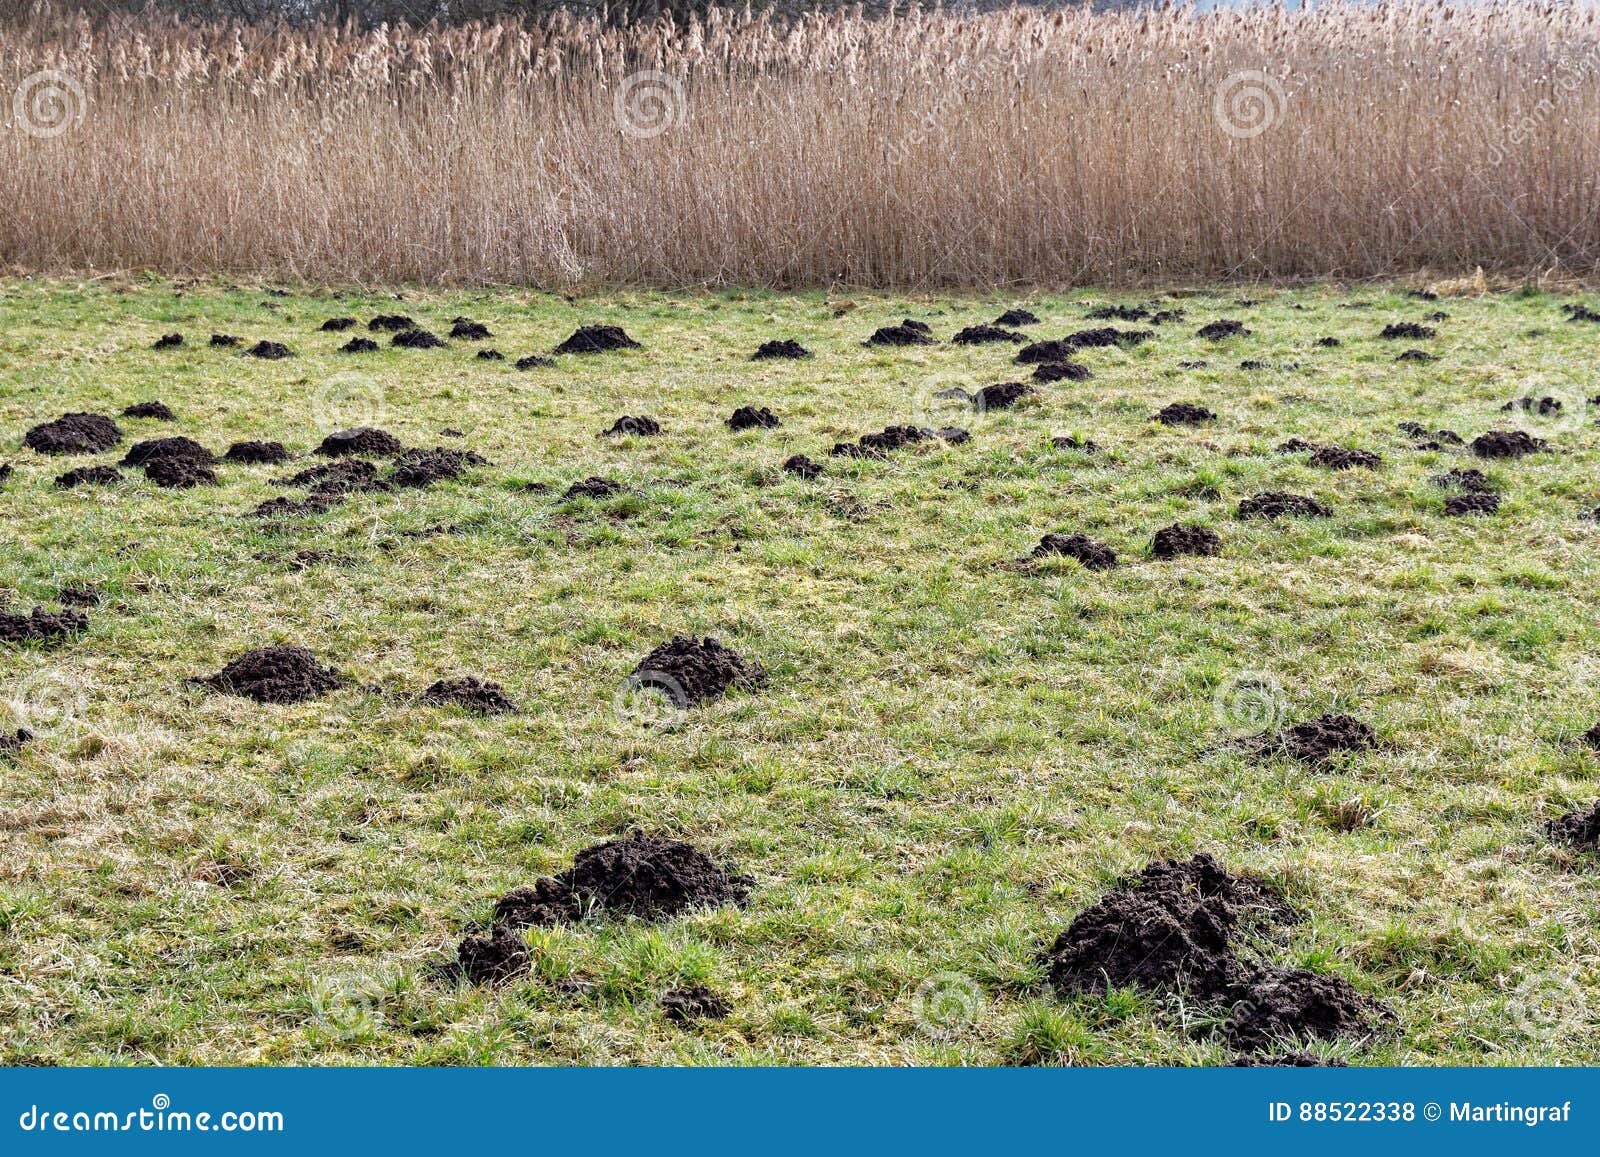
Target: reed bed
[[928, 150]]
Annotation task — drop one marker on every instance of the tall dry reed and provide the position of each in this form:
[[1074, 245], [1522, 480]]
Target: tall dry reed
[[1018, 147]]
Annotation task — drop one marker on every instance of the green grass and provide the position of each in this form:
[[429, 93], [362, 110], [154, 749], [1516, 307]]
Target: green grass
[[951, 759]]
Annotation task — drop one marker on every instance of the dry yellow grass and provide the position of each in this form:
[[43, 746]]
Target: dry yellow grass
[[1018, 147]]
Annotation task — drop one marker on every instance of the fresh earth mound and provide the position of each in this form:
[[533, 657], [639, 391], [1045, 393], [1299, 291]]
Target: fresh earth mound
[[362, 441], [359, 345], [1320, 739], [630, 426], [692, 670], [1178, 928], [41, 626], [1015, 317], [74, 434], [1047, 372], [987, 335], [802, 466], [1175, 540], [168, 449], [252, 453], [1183, 414], [753, 418], [418, 468], [1003, 395], [1281, 504], [88, 476], [338, 324], [269, 351], [392, 322], [780, 349], [1408, 330], [644, 876], [1507, 444], [528, 362], [901, 335], [1222, 330], [334, 478], [593, 487], [177, 472], [1093, 555], [1464, 504], [685, 1005], [416, 339], [595, 339], [1343, 458], [465, 329], [470, 692], [1579, 828], [275, 675], [1472, 481], [159, 411]]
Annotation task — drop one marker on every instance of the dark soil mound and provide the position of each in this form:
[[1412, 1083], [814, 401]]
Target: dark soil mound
[[800, 465], [1544, 407], [692, 670], [491, 356], [1183, 414], [359, 345], [893, 438], [649, 877], [275, 675], [179, 473], [1093, 555], [532, 362], [1171, 927], [1053, 352], [391, 322], [1580, 313], [1166, 316], [465, 329], [1118, 313], [74, 434], [1420, 357], [1296, 446], [289, 508], [226, 341], [1407, 330], [1003, 395], [1579, 828], [1507, 444], [252, 453], [627, 425], [335, 478], [1012, 317], [1105, 336], [595, 339], [1172, 541], [685, 1005], [1319, 739], [41, 626], [1465, 504], [492, 959], [270, 351], [900, 335], [1073, 442], [417, 468], [1283, 1004], [1178, 927], [779, 350], [5, 470], [1222, 330], [168, 341], [593, 488], [1472, 481], [416, 339], [1342, 458], [15, 741], [1048, 372], [89, 476], [79, 596], [170, 449], [1287, 1061], [362, 441], [1328, 343], [472, 693], [987, 335], [753, 418], [337, 324], [1280, 504], [159, 411]]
